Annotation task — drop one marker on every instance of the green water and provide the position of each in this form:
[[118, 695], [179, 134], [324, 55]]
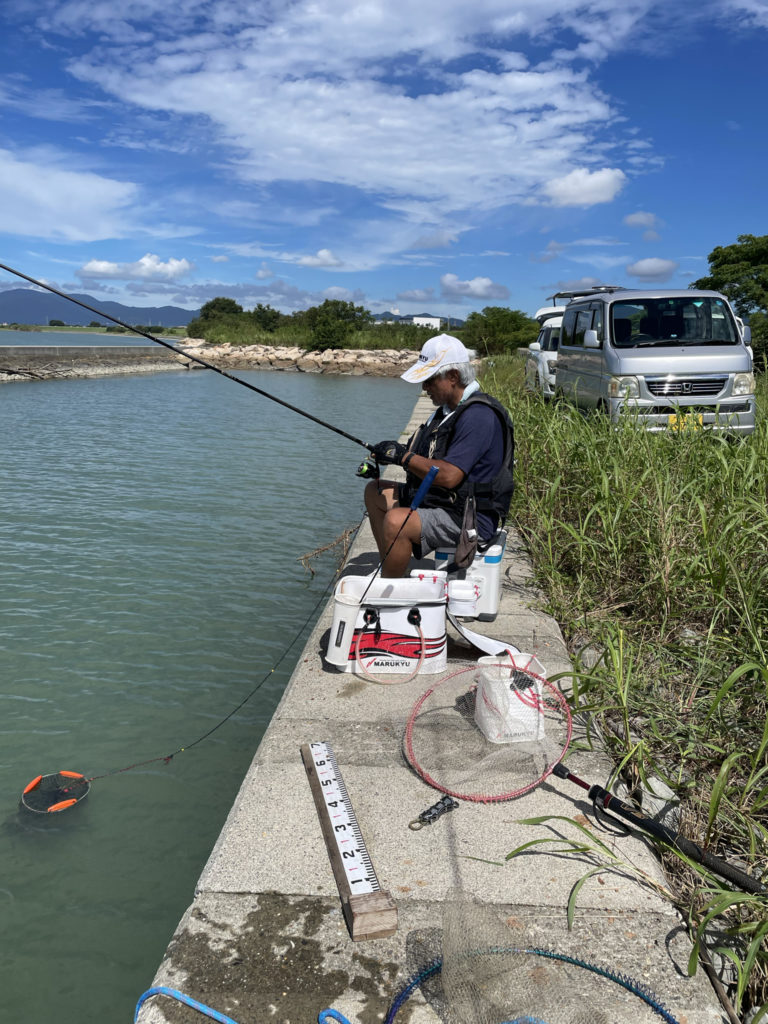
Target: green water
[[149, 529]]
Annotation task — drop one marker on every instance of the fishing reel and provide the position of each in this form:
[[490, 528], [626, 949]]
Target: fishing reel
[[369, 469]]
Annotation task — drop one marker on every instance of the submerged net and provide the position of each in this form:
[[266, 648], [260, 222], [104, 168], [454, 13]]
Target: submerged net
[[56, 792], [489, 732]]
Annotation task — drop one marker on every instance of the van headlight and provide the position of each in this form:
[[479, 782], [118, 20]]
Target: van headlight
[[626, 387], [743, 384]]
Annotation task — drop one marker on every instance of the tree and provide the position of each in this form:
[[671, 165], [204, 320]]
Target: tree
[[331, 323], [499, 329], [740, 271], [267, 318], [56, 323], [220, 307]]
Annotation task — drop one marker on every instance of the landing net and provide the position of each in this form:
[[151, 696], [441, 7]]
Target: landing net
[[493, 972], [489, 732], [58, 791]]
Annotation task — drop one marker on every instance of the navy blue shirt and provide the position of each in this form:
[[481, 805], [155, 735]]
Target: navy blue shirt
[[477, 448]]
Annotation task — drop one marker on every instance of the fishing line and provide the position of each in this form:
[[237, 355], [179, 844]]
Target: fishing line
[[61, 790], [187, 355]]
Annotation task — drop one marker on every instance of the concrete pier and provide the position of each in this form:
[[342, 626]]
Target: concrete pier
[[265, 938]]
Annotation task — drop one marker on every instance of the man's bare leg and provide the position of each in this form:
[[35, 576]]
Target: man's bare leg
[[380, 497], [386, 518]]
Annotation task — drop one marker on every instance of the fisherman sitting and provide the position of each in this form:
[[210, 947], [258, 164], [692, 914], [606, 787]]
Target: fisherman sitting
[[469, 438]]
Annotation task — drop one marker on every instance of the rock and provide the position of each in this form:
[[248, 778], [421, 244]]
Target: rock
[[348, 362]]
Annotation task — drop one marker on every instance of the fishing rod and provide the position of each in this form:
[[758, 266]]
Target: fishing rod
[[187, 355], [607, 801]]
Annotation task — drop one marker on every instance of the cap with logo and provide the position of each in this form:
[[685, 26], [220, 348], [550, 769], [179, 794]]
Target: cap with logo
[[436, 353]]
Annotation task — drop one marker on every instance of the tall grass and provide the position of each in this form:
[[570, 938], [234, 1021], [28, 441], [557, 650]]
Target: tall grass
[[652, 550]]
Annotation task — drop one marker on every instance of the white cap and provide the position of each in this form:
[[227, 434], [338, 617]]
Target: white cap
[[435, 354]]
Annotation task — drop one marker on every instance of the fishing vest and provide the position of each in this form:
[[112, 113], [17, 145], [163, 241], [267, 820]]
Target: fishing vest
[[432, 440]]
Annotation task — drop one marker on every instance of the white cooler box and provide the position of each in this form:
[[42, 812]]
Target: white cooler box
[[399, 621]]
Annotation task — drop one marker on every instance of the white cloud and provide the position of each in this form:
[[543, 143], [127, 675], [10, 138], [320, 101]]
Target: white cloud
[[649, 221], [43, 199], [582, 187], [753, 12], [551, 252], [149, 268], [417, 295], [220, 259], [263, 273], [477, 288], [322, 258], [641, 219], [652, 269]]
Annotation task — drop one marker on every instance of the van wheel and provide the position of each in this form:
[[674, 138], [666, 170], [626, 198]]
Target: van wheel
[[602, 407]]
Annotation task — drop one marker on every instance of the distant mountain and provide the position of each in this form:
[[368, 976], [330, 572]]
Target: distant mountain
[[29, 306]]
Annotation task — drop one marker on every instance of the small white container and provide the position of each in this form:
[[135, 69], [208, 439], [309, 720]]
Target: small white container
[[508, 701], [462, 597], [486, 569]]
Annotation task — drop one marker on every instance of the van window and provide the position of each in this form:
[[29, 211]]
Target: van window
[[568, 330], [698, 320], [597, 321], [583, 323]]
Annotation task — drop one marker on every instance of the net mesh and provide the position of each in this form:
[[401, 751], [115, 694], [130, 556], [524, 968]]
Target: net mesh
[[489, 732], [493, 974], [55, 792]]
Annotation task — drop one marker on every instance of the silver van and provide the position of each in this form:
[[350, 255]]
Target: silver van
[[672, 358]]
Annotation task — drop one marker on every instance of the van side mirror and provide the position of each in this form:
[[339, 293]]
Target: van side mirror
[[591, 340], [534, 347], [746, 334]]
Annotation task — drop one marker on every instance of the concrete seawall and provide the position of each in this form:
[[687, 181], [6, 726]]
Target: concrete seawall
[[34, 362], [265, 938]]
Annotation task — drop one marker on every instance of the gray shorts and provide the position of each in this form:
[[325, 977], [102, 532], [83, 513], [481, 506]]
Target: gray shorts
[[438, 530]]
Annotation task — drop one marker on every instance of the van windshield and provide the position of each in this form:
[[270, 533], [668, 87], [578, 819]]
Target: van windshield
[[673, 321]]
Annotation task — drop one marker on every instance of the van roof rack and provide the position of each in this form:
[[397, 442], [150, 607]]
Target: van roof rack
[[581, 292]]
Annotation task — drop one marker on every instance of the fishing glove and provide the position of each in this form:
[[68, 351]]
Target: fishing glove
[[389, 453]]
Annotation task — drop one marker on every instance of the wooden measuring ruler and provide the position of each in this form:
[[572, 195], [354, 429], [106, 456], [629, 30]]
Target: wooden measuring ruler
[[370, 912]]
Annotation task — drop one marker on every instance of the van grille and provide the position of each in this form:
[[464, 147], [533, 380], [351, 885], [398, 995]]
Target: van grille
[[662, 387]]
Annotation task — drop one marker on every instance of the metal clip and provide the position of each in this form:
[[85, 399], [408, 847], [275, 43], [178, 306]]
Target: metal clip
[[433, 813]]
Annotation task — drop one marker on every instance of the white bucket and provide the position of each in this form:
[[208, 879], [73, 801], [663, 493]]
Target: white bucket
[[385, 636], [508, 701]]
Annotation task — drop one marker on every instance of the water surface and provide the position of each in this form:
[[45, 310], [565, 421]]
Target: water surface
[[150, 529]]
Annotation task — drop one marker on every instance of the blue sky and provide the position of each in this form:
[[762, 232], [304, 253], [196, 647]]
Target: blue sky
[[425, 157]]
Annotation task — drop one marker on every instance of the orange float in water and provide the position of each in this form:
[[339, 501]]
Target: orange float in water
[[33, 785], [62, 805]]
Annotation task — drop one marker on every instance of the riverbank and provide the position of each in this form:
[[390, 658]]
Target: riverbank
[[21, 362], [265, 935]]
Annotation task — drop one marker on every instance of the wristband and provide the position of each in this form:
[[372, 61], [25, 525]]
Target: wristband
[[407, 459]]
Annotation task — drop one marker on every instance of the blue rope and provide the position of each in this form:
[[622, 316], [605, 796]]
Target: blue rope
[[624, 980], [325, 1015], [222, 1018]]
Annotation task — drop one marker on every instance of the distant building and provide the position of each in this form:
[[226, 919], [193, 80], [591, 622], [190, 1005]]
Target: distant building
[[428, 321]]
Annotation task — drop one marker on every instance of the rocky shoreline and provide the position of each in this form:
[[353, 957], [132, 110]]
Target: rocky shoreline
[[351, 361], [31, 363]]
